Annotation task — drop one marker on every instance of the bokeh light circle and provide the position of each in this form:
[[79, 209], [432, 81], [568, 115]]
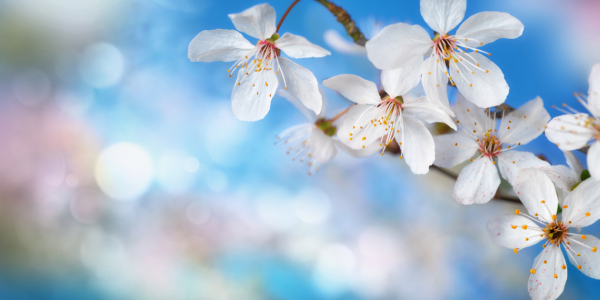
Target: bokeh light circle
[[124, 171]]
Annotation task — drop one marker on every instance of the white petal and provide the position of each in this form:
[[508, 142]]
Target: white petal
[[543, 284], [251, 98], [368, 150], [354, 88], [486, 27], [453, 148], [593, 159], [443, 15], [257, 21], [471, 117], [485, 86], [477, 183], [573, 163], [587, 259], [585, 198], [301, 83], [356, 125], [398, 82], [594, 91], [322, 146], [568, 132], [502, 232], [526, 123], [510, 162], [417, 145], [309, 114], [218, 45], [422, 108], [533, 187], [340, 44], [398, 46], [435, 83], [299, 47], [563, 177]]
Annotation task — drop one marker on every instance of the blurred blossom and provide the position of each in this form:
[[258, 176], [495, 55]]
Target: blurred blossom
[[124, 171], [102, 65]]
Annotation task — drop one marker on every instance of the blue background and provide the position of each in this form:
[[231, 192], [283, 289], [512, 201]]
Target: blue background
[[222, 213]]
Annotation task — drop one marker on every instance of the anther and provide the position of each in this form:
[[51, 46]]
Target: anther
[[532, 271], [524, 227], [516, 250], [517, 212], [583, 237], [587, 214], [565, 206]]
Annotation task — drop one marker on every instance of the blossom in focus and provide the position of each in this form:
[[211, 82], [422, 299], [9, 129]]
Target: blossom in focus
[[314, 142], [480, 81], [495, 141], [379, 120], [565, 178], [574, 130], [260, 67], [580, 209]]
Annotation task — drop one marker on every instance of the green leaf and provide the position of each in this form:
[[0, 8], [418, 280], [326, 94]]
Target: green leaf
[[585, 174]]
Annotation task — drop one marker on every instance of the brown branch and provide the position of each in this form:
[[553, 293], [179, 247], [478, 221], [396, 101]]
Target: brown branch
[[344, 18], [285, 15]]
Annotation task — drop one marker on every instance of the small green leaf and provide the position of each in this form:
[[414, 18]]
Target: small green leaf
[[559, 209], [585, 174]]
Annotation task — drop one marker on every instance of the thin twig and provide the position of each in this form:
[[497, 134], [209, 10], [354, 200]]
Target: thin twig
[[285, 15], [344, 18]]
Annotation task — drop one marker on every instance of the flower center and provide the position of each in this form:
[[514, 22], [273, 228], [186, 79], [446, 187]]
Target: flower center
[[444, 45], [326, 127], [556, 232], [490, 145]]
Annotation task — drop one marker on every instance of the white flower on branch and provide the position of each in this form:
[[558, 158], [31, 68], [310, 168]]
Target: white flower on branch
[[576, 130], [379, 121], [580, 209], [476, 77], [565, 178], [314, 142], [478, 182], [260, 67]]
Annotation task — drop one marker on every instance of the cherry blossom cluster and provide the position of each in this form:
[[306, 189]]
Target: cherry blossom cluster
[[486, 133]]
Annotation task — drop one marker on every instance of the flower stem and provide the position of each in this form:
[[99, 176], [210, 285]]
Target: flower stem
[[285, 14], [344, 18]]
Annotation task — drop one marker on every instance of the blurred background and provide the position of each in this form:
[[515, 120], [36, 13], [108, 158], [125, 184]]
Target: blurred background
[[124, 175]]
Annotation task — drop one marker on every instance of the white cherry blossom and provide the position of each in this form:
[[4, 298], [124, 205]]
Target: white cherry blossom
[[314, 141], [574, 130], [495, 141], [565, 178], [260, 67], [580, 209], [402, 45], [378, 121]]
